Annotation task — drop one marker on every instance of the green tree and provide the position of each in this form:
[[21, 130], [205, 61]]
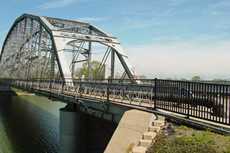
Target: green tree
[[196, 78], [183, 79], [97, 70]]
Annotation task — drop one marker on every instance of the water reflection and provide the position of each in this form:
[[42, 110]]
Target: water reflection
[[29, 124]]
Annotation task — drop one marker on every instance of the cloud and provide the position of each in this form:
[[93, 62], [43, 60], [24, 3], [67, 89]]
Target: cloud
[[56, 4], [93, 19], [182, 59]]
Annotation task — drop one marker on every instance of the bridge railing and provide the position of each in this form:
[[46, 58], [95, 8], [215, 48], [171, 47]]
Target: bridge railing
[[208, 101]]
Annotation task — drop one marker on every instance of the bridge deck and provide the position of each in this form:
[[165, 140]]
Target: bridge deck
[[139, 96]]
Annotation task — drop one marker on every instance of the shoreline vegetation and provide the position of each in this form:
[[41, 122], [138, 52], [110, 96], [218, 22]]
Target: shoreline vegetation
[[182, 139]]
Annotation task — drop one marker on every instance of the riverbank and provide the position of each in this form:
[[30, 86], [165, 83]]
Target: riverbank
[[182, 139]]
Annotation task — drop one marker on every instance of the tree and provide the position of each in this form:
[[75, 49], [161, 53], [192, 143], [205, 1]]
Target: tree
[[97, 71], [183, 79], [196, 78]]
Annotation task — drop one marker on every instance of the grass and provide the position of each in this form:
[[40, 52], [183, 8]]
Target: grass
[[187, 140]]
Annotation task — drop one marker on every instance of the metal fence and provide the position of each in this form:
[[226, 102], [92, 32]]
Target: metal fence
[[208, 101], [201, 100]]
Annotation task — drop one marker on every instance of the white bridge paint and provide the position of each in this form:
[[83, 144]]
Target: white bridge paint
[[62, 39], [70, 31]]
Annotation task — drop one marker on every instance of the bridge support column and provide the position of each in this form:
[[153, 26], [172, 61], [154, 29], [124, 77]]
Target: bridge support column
[[71, 131]]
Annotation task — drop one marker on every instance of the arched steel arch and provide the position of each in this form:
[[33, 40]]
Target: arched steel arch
[[25, 38]]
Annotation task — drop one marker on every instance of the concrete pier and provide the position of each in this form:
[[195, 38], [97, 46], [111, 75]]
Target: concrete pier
[[71, 131], [129, 131], [83, 133]]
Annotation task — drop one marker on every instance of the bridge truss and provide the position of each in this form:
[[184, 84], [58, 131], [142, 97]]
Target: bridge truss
[[50, 48], [40, 54]]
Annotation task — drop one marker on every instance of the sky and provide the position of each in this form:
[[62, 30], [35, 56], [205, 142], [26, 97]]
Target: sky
[[163, 38]]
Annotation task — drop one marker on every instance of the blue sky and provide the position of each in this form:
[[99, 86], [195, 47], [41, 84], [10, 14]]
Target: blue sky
[[180, 38]]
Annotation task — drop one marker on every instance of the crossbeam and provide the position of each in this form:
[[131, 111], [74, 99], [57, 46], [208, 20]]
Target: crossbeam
[[62, 44]]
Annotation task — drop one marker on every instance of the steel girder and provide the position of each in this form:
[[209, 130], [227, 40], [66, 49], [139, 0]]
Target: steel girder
[[60, 33]]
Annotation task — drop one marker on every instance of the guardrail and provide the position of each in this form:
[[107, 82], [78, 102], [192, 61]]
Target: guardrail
[[208, 101]]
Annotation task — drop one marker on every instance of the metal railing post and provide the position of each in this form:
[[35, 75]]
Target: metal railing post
[[80, 88], [62, 85], [50, 88], [155, 93], [190, 99], [32, 84], [108, 89]]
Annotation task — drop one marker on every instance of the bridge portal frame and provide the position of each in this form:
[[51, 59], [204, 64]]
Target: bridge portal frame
[[60, 37]]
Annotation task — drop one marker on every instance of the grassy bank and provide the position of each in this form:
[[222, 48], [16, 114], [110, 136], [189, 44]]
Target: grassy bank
[[181, 139]]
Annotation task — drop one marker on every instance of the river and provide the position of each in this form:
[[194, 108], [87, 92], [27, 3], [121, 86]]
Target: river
[[29, 124]]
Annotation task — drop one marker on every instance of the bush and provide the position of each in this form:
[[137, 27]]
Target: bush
[[187, 140]]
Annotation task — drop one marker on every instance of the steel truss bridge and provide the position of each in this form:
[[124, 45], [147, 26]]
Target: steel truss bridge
[[40, 54]]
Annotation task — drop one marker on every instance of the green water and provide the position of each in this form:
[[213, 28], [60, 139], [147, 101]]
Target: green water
[[29, 124]]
